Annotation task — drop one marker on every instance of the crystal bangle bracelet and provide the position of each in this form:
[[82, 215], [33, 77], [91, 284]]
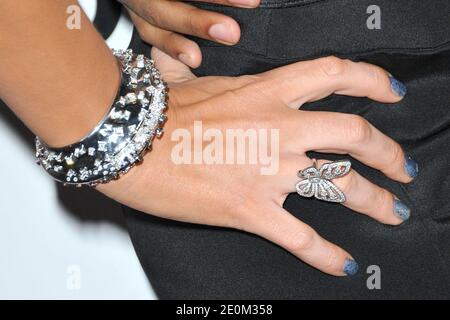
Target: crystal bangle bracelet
[[120, 140]]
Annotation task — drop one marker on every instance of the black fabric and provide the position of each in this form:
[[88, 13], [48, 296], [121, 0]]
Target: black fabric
[[197, 262], [107, 17]]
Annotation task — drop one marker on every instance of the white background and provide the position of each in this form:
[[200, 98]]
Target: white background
[[55, 242]]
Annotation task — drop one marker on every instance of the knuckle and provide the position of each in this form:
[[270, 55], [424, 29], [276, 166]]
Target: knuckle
[[300, 241], [332, 66], [358, 129]]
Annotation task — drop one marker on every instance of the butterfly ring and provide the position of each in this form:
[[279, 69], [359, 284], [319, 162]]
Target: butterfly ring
[[317, 182]]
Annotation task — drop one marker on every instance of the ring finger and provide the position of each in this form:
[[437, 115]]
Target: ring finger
[[361, 195]]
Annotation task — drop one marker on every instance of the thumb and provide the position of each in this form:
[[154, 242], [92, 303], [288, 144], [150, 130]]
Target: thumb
[[172, 71]]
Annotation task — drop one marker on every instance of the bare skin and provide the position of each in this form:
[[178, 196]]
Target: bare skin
[[43, 63], [235, 195], [163, 23]]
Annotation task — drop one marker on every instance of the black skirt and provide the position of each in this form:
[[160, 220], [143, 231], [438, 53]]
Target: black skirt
[[186, 261]]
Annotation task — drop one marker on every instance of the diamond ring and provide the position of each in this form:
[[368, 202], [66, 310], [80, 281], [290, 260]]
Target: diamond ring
[[317, 182]]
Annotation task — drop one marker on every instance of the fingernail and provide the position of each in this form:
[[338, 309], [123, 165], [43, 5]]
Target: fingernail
[[350, 267], [243, 3], [185, 58], [401, 210], [411, 167], [397, 87], [221, 33]]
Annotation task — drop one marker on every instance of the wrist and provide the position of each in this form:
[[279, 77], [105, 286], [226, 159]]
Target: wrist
[[84, 109], [120, 140], [58, 81]]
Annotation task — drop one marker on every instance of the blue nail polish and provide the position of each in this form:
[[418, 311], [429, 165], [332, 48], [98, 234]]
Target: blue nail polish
[[411, 167], [398, 87], [401, 210], [350, 267]]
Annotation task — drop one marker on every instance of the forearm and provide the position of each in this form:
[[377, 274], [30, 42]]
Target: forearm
[[59, 82]]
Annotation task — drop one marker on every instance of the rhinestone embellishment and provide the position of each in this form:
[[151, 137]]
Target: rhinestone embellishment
[[121, 139], [317, 181]]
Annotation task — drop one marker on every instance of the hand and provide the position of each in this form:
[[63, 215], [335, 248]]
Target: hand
[[238, 195], [163, 22]]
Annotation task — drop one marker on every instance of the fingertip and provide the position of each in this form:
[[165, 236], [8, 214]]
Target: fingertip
[[411, 167], [390, 91], [226, 32], [408, 170], [192, 58], [338, 262], [397, 87], [245, 3], [383, 86], [189, 53], [186, 59], [401, 211], [196, 56], [350, 267], [196, 62], [395, 221]]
